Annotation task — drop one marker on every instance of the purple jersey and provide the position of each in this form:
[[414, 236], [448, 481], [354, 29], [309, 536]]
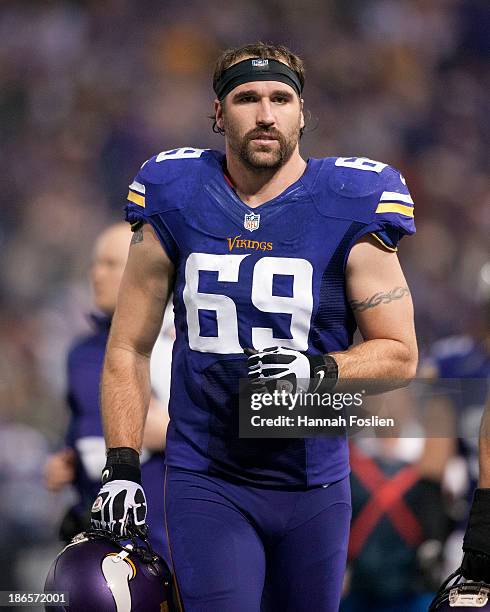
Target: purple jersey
[[258, 277]]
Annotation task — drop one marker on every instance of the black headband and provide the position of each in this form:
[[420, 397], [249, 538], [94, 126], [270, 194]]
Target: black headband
[[256, 69]]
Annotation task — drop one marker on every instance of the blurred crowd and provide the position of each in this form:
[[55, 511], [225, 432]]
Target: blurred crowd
[[90, 89]]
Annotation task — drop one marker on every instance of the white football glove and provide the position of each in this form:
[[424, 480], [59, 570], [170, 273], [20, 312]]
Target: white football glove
[[294, 371], [121, 501], [118, 503]]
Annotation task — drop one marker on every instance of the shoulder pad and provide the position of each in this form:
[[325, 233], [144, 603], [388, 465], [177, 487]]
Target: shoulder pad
[[168, 179], [352, 187], [369, 192], [168, 165], [355, 177]]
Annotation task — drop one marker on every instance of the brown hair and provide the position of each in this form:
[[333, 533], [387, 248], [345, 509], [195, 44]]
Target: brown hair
[[262, 51]]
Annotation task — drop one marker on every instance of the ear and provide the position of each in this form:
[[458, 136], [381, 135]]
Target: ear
[[302, 103], [218, 113]]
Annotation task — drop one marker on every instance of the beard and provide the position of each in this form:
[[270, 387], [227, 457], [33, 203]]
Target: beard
[[264, 156]]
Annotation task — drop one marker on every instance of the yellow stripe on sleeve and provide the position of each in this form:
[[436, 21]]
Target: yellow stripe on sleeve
[[136, 198], [388, 248], [393, 207]]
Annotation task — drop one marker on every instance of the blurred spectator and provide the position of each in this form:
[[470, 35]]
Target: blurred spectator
[[398, 526]]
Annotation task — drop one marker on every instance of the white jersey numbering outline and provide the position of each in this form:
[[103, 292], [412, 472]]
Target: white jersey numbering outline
[[299, 305]]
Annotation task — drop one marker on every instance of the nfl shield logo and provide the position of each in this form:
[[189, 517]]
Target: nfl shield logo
[[260, 63], [251, 222]]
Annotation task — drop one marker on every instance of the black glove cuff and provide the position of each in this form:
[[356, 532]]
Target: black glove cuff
[[123, 463], [477, 536], [476, 566], [330, 368]]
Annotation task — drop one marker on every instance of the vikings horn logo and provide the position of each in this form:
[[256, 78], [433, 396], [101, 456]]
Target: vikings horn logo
[[118, 570], [251, 222]]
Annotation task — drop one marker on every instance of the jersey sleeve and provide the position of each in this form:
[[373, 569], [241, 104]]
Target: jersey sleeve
[[145, 205], [394, 211]]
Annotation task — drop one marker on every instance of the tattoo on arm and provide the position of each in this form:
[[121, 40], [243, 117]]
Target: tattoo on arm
[[137, 236], [379, 298]]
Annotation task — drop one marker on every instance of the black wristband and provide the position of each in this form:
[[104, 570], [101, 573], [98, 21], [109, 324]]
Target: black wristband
[[123, 463], [477, 536], [330, 369]]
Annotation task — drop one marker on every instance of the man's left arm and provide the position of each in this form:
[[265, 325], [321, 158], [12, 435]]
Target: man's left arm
[[476, 544], [382, 305]]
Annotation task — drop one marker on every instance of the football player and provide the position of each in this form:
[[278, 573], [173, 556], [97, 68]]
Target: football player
[[466, 358], [476, 561], [476, 544], [262, 250], [83, 458]]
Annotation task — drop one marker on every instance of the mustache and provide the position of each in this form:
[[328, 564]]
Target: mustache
[[258, 133]]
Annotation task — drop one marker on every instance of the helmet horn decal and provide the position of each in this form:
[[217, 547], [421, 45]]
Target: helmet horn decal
[[118, 571]]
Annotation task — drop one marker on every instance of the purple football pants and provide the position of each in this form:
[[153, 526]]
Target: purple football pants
[[239, 548]]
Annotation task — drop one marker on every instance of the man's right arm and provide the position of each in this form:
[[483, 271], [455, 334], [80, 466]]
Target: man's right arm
[[125, 389]]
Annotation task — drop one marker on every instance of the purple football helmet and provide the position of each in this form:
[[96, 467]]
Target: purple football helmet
[[105, 574], [456, 595]]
